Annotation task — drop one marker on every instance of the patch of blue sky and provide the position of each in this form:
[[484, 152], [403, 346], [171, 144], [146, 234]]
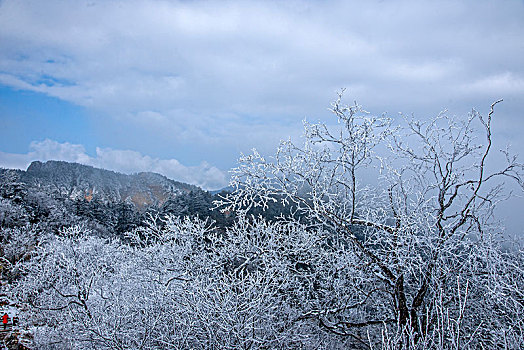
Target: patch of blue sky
[[27, 116]]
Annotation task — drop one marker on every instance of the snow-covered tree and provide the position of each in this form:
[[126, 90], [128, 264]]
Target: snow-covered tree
[[388, 242], [410, 210]]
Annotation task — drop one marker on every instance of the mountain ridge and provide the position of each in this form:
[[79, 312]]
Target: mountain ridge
[[58, 194], [76, 181]]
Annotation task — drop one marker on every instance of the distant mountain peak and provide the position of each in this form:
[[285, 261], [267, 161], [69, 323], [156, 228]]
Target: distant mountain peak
[[77, 181]]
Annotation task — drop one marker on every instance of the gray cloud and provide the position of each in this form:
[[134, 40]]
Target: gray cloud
[[212, 78], [252, 57], [125, 161]]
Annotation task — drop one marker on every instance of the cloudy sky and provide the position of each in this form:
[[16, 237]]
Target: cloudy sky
[[182, 87]]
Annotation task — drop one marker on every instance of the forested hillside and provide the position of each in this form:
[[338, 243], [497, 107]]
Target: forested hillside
[[57, 194]]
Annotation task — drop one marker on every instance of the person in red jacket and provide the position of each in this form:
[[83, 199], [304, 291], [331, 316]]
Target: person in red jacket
[[5, 319]]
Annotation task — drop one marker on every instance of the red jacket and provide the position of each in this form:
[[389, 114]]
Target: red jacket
[[5, 318]]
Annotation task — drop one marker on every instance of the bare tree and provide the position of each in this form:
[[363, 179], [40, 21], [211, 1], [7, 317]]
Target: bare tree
[[418, 221]]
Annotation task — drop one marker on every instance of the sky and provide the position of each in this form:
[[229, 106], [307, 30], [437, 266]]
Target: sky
[[184, 87]]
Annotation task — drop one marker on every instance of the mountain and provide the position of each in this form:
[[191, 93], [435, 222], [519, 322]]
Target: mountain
[[57, 194], [76, 182]]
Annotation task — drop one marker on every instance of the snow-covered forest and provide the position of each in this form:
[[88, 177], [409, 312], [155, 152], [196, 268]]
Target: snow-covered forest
[[385, 238]]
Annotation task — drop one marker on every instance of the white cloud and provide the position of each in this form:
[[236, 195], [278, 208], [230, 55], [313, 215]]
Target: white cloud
[[206, 72], [125, 161], [49, 149], [239, 57]]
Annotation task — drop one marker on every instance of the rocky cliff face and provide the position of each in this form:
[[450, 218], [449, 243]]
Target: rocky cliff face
[[81, 182]]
